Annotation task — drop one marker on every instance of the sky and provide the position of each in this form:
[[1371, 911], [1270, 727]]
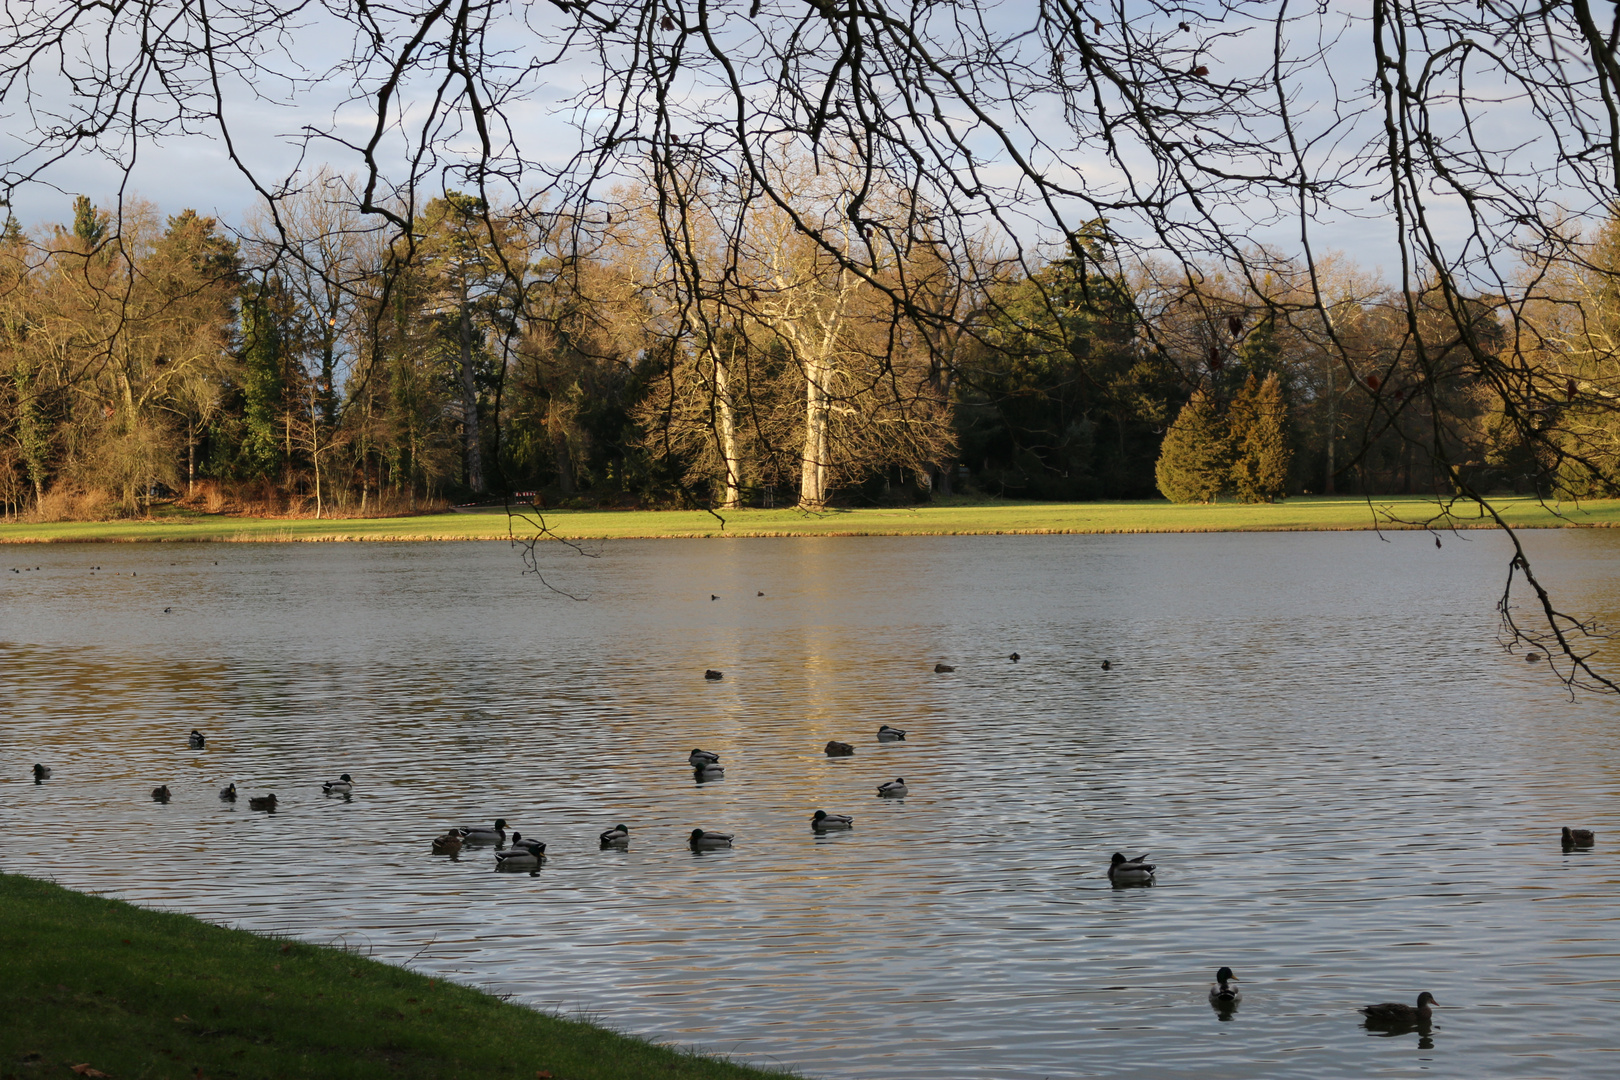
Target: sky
[[269, 115]]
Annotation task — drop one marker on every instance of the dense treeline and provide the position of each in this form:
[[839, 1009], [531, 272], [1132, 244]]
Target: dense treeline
[[307, 364]]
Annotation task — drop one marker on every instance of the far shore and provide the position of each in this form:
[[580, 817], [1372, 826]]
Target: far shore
[[949, 518]]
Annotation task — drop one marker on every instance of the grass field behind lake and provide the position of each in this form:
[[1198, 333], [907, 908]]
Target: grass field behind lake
[[958, 518]]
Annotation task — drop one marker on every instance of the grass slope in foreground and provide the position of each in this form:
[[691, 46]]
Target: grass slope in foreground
[[136, 993], [958, 518]]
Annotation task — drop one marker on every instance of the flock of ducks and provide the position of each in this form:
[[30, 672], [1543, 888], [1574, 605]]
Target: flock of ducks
[[529, 854]]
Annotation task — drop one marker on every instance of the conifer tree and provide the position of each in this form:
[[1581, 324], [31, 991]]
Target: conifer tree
[[1258, 429], [1195, 462]]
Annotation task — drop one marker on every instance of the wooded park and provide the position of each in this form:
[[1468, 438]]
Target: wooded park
[[343, 374]]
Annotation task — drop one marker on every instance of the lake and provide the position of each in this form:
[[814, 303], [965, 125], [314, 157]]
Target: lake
[[1351, 792]]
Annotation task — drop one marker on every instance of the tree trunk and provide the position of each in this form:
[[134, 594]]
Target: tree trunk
[[727, 434], [469, 398], [813, 464]]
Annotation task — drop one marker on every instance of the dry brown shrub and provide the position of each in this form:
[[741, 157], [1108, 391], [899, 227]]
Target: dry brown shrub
[[73, 504]]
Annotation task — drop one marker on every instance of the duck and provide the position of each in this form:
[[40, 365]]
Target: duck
[[1123, 871], [161, 793], [1220, 994], [228, 792], [941, 669], [195, 740], [41, 773], [705, 840], [618, 836], [341, 786], [709, 771], [891, 734], [266, 802], [894, 789], [824, 821], [1532, 657], [522, 855], [835, 748], [448, 844], [1014, 657], [1107, 665], [1578, 837], [702, 757], [1393, 1013], [713, 675], [481, 835]]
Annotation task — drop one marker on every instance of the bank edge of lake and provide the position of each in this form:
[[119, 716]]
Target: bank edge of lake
[[1316, 514], [132, 992]]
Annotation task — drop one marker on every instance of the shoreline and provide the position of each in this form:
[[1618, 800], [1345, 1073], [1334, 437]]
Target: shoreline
[[132, 991], [1313, 514]]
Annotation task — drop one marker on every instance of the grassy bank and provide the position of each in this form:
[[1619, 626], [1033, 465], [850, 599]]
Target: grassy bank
[[950, 519], [136, 993]]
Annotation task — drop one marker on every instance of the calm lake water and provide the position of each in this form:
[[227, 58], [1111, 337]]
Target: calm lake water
[[1352, 794]]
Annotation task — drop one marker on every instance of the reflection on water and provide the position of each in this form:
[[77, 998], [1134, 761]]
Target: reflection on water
[[1349, 793]]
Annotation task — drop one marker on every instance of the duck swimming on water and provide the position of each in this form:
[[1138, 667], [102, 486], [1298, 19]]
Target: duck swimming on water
[[1396, 1014], [1578, 837], [195, 740], [341, 786], [228, 792], [481, 835], [1137, 871], [1222, 995]]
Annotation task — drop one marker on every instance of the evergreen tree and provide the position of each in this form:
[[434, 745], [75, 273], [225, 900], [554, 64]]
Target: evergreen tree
[[89, 224], [263, 381], [1195, 462], [1258, 429]]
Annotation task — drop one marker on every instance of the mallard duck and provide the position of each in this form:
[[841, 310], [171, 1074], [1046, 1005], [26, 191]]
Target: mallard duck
[[1123, 871], [265, 802], [704, 840], [891, 734], [341, 786], [702, 757], [1107, 665], [1578, 837], [195, 739], [824, 821], [522, 855], [228, 793], [448, 844], [839, 749], [1392, 1013], [481, 835], [1220, 994], [709, 771], [618, 836], [41, 773], [713, 675], [161, 793], [1015, 658], [894, 789], [941, 669]]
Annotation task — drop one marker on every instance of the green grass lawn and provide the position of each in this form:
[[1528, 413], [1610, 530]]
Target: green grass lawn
[[133, 993], [948, 518]]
